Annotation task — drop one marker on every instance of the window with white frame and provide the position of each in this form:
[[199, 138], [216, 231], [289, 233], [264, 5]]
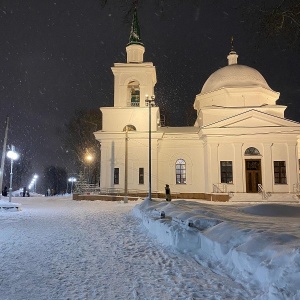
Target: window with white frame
[[141, 175], [116, 175], [180, 171], [226, 171], [280, 172]]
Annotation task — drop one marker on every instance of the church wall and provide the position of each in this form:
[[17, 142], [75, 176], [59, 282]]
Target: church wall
[[113, 156], [139, 158], [227, 152], [191, 151], [107, 163], [202, 159], [233, 149], [115, 119]]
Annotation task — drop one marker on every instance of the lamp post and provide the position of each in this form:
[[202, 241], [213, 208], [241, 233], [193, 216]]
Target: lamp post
[[150, 102], [35, 177], [89, 157], [33, 183], [3, 155], [72, 180], [13, 155], [126, 166]]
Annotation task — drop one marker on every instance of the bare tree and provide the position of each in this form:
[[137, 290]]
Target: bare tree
[[55, 178], [81, 143], [276, 18]]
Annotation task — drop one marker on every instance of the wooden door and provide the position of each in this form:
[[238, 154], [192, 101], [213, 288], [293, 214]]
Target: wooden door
[[253, 175]]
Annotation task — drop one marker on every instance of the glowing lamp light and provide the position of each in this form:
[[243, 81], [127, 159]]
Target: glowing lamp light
[[89, 157], [12, 155], [72, 180]]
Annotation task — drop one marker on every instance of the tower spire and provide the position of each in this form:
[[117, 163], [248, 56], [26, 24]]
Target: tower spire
[[232, 56], [135, 48], [135, 35]]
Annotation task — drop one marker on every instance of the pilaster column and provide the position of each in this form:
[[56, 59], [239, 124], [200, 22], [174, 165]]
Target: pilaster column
[[239, 176], [154, 166], [267, 168], [213, 168], [292, 166]]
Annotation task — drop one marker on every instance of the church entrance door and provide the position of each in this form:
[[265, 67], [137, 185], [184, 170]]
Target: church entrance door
[[253, 175]]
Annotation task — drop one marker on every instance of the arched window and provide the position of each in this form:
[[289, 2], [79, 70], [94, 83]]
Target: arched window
[[134, 93], [129, 128], [252, 151], [180, 172]]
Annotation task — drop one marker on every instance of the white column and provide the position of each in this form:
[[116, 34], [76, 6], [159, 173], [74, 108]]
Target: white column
[[207, 168], [213, 166], [154, 165], [267, 168], [239, 173], [292, 164]]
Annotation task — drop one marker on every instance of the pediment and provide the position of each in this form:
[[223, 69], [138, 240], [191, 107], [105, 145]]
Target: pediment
[[253, 119]]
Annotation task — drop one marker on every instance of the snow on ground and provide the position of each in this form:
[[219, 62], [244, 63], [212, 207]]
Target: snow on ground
[[255, 245], [57, 248]]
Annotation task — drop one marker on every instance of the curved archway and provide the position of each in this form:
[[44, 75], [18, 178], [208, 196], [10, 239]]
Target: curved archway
[[129, 128], [251, 151]]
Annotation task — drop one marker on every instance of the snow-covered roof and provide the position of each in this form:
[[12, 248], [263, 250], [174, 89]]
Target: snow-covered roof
[[234, 76]]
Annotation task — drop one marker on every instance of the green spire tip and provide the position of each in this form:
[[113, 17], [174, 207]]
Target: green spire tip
[[135, 36]]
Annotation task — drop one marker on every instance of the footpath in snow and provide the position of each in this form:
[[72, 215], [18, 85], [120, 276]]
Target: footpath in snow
[[57, 249], [255, 245]]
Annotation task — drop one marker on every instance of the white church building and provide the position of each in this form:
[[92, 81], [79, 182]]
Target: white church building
[[240, 141]]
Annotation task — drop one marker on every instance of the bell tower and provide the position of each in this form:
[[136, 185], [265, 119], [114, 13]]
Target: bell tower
[[133, 80], [124, 136], [136, 78]]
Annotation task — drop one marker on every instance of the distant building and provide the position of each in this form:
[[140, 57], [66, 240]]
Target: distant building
[[240, 138]]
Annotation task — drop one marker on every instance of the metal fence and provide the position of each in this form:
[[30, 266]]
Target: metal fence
[[94, 189]]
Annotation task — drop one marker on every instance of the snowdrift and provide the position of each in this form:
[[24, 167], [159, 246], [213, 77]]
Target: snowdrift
[[257, 245]]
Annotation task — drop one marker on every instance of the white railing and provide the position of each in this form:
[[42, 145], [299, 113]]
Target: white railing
[[219, 188], [296, 188], [264, 194]]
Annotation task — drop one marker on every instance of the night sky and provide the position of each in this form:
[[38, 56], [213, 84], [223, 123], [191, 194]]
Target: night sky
[[55, 57]]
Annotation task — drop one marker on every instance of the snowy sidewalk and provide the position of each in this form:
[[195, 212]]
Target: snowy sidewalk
[[59, 249]]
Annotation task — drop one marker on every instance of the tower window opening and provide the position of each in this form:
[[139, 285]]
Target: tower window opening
[[134, 93]]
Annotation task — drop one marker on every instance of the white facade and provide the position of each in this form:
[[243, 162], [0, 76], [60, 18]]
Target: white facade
[[240, 137]]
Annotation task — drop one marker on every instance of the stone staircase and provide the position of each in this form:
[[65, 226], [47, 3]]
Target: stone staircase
[[255, 197]]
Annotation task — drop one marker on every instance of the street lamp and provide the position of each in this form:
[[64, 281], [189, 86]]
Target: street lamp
[[126, 128], [89, 158], [35, 177], [150, 102], [72, 180], [13, 155]]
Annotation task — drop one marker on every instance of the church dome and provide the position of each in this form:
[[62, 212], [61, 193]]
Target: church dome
[[234, 76]]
